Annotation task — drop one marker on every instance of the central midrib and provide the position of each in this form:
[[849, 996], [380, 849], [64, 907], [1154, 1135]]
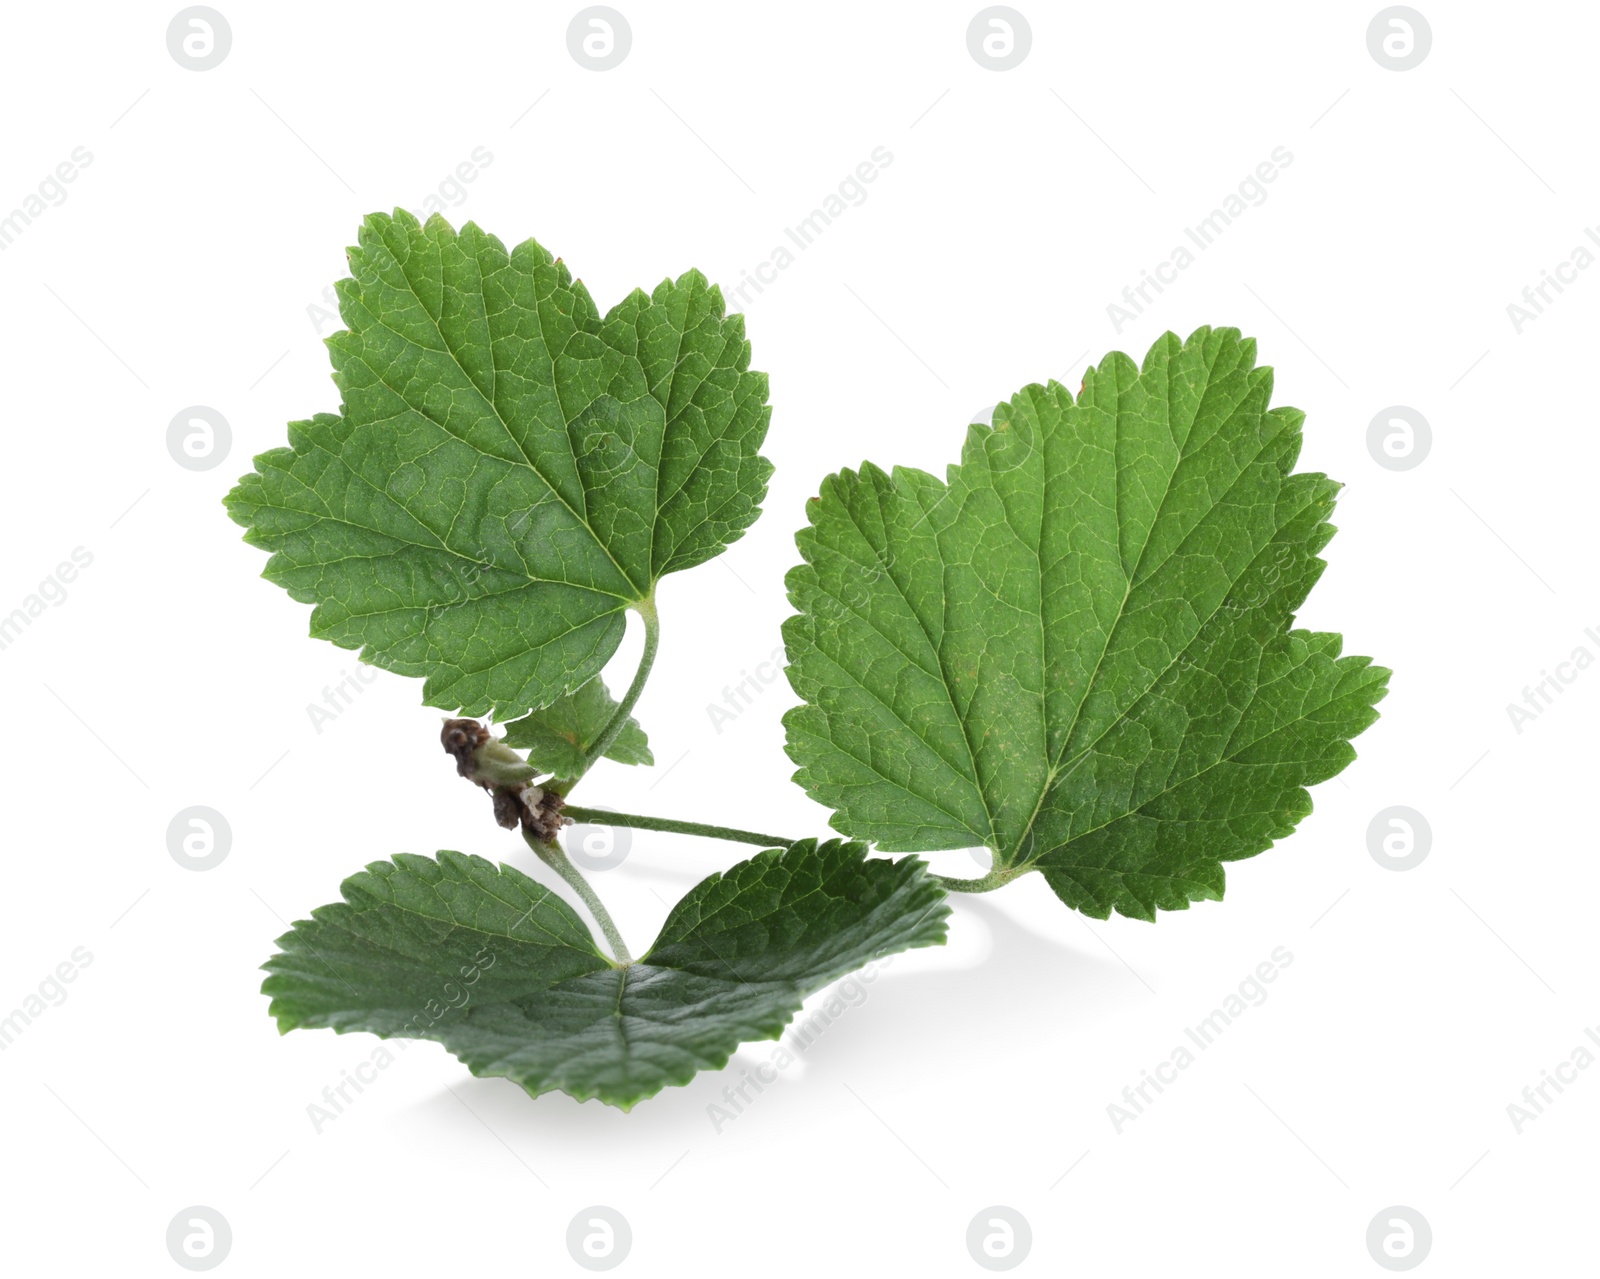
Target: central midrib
[[448, 350]]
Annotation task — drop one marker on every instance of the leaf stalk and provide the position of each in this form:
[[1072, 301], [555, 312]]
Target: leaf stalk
[[605, 817], [999, 877], [552, 856], [646, 609]]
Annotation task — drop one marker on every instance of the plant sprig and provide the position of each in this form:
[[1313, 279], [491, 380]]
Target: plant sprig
[[1076, 650]]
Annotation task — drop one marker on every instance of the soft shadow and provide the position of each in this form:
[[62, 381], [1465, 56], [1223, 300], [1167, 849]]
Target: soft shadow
[[555, 1122], [1025, 979]]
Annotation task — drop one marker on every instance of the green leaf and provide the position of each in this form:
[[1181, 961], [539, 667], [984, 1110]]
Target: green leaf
[[557, 737], [505, 975], [509, 470], [1078, 652]]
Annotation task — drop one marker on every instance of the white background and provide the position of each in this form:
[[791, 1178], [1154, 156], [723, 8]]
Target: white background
[[179, 271]]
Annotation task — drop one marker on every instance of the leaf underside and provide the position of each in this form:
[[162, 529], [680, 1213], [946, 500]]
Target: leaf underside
[[509, 471], [1077, 652], [557, 736], [504, 974]]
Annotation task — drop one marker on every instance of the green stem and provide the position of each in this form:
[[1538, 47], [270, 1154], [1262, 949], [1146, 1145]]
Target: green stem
[[552, 856], [996, 878], [619, 719], [604, 817]]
